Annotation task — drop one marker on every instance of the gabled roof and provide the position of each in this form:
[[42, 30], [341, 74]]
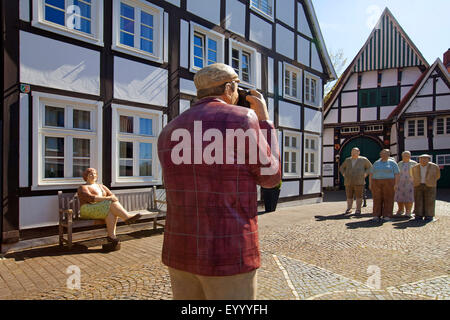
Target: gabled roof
[[320, 42], [415, 89], [388, 46]]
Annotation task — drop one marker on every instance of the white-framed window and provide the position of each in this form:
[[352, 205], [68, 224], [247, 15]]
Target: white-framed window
[[243, 61], [138, 29], [263, 7], [415, 158], [66, 140], [416, 127], [350, 130], [292, 83], [311, 151], [80, 19], [443, 159], [374, 128], [312, 89], [442, 126], [291, 154], [207, 47], [134, 146]]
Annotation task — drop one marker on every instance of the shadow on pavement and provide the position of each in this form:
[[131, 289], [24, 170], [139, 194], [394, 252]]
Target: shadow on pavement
[[79, 247], [342, 216], [409, 224], [363, 224]]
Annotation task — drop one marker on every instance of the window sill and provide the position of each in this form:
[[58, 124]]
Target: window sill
[[291, 176], [311, 175], [135, 183], [58, 185], [136, 52], [67, 32], [312, 104], [293, 99]]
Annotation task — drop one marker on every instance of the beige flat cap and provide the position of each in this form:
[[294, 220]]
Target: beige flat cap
[[214, 75], [425, 156]]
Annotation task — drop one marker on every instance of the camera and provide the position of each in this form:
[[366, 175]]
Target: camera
[[242, 101]]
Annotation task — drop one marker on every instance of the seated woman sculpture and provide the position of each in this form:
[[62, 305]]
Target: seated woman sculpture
[[98, 202]]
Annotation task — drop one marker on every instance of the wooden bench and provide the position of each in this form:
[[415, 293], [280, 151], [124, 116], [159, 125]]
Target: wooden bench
[[143, 202]]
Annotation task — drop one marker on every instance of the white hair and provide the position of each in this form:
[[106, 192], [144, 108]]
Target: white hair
[[406, 152]]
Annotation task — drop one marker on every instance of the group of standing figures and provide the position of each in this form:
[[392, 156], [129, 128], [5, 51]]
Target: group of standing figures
[[406, 182]]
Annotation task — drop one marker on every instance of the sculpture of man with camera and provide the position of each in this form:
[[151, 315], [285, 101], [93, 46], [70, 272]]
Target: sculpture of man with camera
[[211, 241]]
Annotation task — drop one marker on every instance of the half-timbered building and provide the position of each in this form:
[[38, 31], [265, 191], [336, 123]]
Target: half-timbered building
[[91, 83], [388, 97]]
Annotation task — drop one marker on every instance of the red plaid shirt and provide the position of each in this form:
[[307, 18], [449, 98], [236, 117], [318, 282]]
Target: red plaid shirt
[[211, 225]]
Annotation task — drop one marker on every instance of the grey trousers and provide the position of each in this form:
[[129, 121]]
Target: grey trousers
[[425, 200]]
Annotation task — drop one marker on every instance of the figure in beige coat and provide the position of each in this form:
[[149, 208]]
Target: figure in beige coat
[[425, 176], [355, 169]]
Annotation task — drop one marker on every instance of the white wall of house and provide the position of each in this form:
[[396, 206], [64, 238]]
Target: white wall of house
[[56, 64], [140, 82], [207, 9], [235, 17]]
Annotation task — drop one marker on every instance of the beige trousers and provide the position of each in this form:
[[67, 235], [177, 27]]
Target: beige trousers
[[189, 286]]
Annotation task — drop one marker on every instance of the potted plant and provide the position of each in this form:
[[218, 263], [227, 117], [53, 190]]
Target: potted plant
[[270, 197]]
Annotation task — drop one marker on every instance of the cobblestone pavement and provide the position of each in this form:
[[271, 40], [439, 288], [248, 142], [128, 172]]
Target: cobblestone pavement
[[308, 252]]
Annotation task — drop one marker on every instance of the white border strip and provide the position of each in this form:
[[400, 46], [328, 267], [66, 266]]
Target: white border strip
[[286, 276]]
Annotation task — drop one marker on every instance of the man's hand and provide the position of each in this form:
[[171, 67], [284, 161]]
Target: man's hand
[[258, 104]]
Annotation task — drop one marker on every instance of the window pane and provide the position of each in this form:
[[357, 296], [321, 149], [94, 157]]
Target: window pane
[[146, 19], [145, 159], [313, 144], [85, 8], [263, 5], [307, 143], [54, 147], [440, 126], [212, 51], [54, 157], [286, 162], [294, 84], [81, 148], [127, 25], [294, 142], [420, 127], [286, 141], [246, 67], [198, 62], [145, 168], [294, 162], [212, 45], [312, 163], [307, 89], [85, 26], [126, 168], [147, 32], [146, 45], [54, 117], [127, 11], [198, 40], [126, 39], [55, 11], [287, 82], [145, 151], [235, 60], [448, 125], [145, 126], [411, 128], [212, 56], [126, 150], [126, 159], [126, 124], [79, 166], [54, 168], [81, 119], [313, 90], [306, 162]]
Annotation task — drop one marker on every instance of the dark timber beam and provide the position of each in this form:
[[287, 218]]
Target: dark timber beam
[[10, 122]]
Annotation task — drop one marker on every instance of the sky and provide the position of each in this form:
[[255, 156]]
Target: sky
[[347, 24]]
